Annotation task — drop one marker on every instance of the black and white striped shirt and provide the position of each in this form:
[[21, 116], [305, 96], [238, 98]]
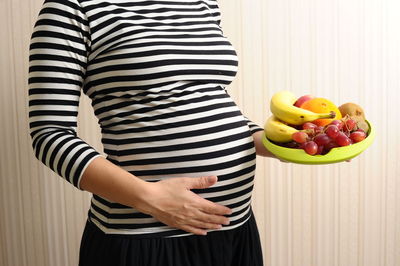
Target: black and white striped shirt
[[155, 71]]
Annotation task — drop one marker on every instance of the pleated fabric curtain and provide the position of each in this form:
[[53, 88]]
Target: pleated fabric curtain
[[345, 214]]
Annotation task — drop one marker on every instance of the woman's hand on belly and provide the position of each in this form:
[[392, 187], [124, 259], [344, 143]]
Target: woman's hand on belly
[[172, 202]]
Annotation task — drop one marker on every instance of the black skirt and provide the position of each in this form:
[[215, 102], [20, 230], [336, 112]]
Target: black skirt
[[237, 247]]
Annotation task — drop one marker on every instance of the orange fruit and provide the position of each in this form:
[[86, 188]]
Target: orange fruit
[[322, 105]]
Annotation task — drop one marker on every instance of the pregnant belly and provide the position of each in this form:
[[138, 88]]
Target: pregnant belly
[[204, 134]]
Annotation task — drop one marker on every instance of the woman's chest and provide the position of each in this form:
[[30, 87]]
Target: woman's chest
[[147, 43]]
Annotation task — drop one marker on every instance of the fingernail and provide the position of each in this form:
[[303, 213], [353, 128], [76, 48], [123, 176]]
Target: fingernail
[[212, 178]]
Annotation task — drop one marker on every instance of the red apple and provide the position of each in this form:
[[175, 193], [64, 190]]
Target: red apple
[[302, 100]]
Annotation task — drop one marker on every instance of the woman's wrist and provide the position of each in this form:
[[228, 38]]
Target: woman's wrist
[[144, 196], [107, 180]]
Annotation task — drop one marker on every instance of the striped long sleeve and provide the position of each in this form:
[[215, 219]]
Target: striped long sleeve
[[253, 126], [58, 58]]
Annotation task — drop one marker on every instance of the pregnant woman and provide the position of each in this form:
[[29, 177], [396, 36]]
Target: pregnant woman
[[175, 185]]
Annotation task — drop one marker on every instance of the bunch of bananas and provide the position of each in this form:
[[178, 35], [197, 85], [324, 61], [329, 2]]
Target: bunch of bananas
[[284, 114]]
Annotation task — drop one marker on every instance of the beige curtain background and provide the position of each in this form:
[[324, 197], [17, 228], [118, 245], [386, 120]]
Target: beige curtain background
[[345, 214]]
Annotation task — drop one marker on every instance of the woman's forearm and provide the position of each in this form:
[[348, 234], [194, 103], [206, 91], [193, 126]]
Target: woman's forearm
[[107, 180]]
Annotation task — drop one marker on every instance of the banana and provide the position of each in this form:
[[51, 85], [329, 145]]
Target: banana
[[278, 131], [282, 107]]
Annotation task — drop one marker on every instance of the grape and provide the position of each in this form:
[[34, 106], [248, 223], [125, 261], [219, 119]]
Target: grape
[[342, 139], [357, 136], [310, 147], [330, 146], [309, 125], [320, 150], [362, 130], [300, 137], [318, 130], [302, 145], [322, 139], [350, 124], [337, 123], [332, 131]]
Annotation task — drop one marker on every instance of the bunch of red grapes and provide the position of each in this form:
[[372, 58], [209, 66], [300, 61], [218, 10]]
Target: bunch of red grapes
[[318, 140]]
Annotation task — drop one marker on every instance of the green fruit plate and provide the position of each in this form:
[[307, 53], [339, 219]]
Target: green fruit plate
[[335, 155]]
